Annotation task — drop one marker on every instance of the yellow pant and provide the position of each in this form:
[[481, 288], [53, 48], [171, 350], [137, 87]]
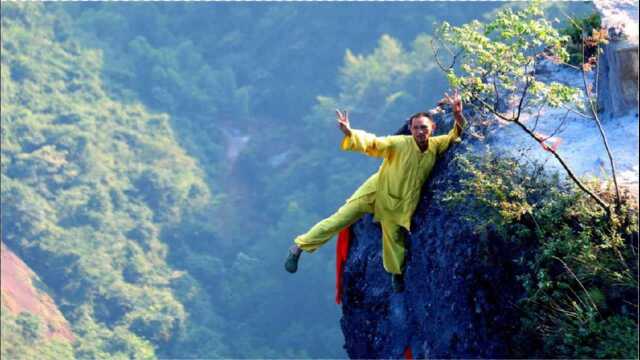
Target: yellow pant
[[392, 236]]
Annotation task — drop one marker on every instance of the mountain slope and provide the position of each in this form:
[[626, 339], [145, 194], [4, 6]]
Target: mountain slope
[[29, 315], [88, 184]]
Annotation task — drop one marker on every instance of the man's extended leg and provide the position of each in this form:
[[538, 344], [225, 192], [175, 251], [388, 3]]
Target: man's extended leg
[[393, 253], [346, 215], [323, 231], [392, 247]]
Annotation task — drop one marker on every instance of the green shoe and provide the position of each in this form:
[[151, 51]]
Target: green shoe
[[397, 282], [291, 263]]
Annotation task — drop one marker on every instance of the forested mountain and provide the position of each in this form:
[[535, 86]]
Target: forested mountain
[[88, 184], [158, 159]]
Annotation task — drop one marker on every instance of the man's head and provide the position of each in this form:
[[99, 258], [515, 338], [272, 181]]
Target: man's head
[[421, 126]]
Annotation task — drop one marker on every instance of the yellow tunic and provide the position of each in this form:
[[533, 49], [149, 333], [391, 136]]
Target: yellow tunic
[[405, 168]]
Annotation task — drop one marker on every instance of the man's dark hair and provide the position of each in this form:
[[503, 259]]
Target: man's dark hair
[[406, 128]]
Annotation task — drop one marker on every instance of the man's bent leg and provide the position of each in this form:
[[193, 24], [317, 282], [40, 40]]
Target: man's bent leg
[[392, 247], [346, 215]]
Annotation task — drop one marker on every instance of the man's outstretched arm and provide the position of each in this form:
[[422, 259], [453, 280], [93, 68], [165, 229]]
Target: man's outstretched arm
[[362, 141]]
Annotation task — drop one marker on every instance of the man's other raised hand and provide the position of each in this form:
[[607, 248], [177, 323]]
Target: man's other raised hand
[[454, 100], [343, 122]]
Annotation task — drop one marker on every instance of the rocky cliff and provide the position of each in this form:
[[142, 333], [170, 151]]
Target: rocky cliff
[[459, 293]]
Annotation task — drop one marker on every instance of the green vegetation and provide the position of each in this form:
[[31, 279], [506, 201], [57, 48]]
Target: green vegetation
[[579, 270], [498, 74], [29, 326], [87, 185], [22, 338], [578, 30], [498, 58]]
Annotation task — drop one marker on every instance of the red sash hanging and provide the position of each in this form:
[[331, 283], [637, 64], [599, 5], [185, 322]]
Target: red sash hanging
[[407, 353], [342, 252]]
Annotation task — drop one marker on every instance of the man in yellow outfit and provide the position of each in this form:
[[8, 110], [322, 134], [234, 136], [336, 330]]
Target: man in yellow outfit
[[392, 193]]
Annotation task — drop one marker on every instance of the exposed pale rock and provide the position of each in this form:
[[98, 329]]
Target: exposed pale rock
[[618, 74]]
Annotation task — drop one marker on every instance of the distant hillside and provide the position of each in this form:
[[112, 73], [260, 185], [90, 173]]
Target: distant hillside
[[88, 184], [32, 325]]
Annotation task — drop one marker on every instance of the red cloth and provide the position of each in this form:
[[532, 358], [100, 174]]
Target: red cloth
[[407, 353], [342, 252]]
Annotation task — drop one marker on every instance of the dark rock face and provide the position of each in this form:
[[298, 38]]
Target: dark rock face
[[460, 285]]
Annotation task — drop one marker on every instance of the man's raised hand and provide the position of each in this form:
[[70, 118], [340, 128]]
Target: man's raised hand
[[455, 101], [343, 122], [456, 104]]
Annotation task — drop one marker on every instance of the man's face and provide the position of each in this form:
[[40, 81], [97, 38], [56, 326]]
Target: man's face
[[421, 128]]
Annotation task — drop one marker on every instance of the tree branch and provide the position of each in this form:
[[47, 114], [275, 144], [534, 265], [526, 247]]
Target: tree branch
[[564, 165], [570, 172], [576, 112], [594, 112], [538, 113], [527, 84], [437, 59]]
